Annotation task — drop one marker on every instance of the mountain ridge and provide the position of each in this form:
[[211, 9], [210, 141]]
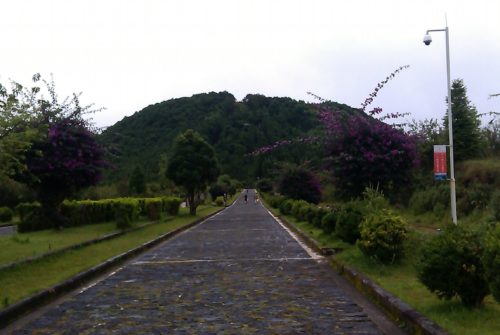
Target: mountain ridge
[[234, 128]]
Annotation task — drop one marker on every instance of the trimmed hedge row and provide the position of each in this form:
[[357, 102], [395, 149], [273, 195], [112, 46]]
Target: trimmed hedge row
[[460, 262], [378, 232], [83, 212], [5, 214]]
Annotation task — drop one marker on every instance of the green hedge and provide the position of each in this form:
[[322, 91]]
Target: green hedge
[[5, 214], [170, 205], [153, 207], [349, 221], [83, 212]]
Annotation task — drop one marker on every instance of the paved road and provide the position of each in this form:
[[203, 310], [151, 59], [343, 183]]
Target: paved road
[[239, 272], [7, 230]]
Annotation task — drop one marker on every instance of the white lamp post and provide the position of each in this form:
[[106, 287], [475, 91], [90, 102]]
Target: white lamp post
[[427, 41]]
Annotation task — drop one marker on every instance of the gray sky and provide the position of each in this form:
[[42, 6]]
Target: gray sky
[[127, 54]]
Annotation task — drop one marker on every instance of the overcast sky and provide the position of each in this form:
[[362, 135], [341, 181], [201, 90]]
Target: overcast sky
[[126, 54]]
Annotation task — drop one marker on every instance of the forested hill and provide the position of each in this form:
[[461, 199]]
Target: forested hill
[[233, 128]]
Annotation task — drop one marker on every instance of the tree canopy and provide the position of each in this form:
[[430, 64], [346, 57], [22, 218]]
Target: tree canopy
[[235, 128], [192, 165], [47, 144], [468, 140]]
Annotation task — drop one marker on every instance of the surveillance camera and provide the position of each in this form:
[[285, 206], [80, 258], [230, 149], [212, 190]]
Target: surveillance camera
[[427, 39]]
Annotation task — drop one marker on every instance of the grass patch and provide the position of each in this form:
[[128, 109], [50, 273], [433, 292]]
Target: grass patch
[[24, 245], [400, 279], [25, 280]]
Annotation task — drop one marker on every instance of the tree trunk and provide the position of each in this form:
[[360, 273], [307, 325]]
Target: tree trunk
[[51, 208], [192, 203]]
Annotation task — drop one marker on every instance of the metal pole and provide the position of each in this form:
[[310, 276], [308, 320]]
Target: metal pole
[[450, 132], [453, 194]]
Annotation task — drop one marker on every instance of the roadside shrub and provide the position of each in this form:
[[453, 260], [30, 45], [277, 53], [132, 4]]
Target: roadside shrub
[[298, 209], [426, 200], [286, 207], [219, 201], [299, 183], [25, 208], [217, 190], [31, 217], [171, 205], [142, 206], [495, 205], [318, 218], [473, 197], [6, 214], [451, 266], [275, 200], [329, 222], [265, 185], [491, 261], [382, 235], [348, 222], [126, 211], [153, 208], [34, 220], [85, 212], [374, 200], [309, 213]]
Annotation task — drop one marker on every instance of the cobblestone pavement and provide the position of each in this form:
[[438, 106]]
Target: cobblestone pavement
[[239, 272]]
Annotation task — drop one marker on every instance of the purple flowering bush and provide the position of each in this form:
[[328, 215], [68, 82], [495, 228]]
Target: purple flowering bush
[[301, 184], [363, 151], [66, 161]]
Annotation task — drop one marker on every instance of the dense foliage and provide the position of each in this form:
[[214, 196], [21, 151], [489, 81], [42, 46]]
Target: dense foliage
[[84, 212], [47, 145], [491, 261], [68, 160], [193, 166], [299, 183], [235, 128], [137, 183], [451, 266], [468, 141], [365, 151], [382, 236], [5, 214], [349, 221]]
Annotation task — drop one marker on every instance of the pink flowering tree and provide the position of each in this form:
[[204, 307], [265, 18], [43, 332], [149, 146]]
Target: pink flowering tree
[[361, 149], [299, 183], [66, 161], [62, 156]]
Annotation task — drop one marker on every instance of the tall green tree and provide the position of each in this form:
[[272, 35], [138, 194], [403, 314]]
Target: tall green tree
[[468, 142], [193, 166]]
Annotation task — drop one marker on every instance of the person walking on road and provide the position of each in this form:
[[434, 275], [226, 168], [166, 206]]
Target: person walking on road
[[246, 198]]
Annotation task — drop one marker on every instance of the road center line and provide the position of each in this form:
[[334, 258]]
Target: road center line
[[283, 259]]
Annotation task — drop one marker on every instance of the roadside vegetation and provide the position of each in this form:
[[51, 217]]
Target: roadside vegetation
[[398, 273], [29, 278], [358, 180]]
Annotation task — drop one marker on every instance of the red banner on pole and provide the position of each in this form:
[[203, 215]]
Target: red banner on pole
[[440, 162]]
